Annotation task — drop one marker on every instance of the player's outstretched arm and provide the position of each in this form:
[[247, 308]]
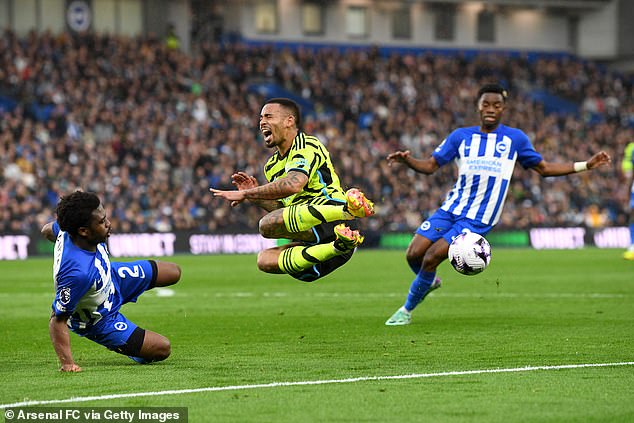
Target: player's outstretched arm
[[426, 166], [58, 331], [47, 231], [244, 181], [283, 187], [545, 168]]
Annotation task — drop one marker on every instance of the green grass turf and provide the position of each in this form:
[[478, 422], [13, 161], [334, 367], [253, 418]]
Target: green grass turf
[[231, 325]]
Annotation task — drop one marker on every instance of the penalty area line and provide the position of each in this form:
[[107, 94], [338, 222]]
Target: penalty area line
[[311, 382]]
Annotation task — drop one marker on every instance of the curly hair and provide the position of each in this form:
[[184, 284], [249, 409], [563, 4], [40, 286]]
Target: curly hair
[[75, 210], [493, 88]]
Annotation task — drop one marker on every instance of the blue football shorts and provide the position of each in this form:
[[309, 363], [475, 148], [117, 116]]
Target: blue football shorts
[[131, 279], [447, 225]]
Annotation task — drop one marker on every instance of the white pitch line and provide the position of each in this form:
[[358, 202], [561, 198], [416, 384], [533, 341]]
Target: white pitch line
[[587, 295], [311, 382]]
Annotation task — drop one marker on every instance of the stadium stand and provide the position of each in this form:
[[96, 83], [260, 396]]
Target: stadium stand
[[150, 128]]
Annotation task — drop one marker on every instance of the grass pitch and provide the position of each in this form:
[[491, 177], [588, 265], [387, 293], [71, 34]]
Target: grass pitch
[[232, 327]]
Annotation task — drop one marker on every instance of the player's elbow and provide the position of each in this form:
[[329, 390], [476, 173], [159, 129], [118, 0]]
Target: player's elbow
[[57, 327], [293, 189], [47, 231], [544, 169]]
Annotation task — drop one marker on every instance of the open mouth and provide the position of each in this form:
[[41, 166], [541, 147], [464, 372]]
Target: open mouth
[[267, 134]]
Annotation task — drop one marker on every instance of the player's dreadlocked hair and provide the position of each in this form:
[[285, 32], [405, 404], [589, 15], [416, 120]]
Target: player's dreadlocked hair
[[493, 88], [75, 210]]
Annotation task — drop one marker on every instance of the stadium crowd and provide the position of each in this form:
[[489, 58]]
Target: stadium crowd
[[150, 128]]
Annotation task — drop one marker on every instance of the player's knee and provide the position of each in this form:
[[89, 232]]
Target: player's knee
[[169, 274], [260, 261], [432, 260], [265, 264], [264, 228], [414, 259], [165, 350], [162, 350], [261, 228], [174, 272]]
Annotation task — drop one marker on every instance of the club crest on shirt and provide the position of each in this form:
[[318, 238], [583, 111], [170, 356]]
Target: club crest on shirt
[[64, 295], [120, 326], [502, 146]]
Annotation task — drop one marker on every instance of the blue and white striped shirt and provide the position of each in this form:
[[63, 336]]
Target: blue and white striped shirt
[[485, 165], [84, 287]]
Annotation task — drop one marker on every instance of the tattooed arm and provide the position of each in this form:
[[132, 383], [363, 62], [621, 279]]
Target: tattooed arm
[[244, 181], [265, 195]]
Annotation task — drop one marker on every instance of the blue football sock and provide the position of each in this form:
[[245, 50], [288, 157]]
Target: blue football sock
[[419, 288], [631, 233]]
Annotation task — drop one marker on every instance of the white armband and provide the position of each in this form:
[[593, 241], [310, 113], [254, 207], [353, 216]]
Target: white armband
[[580, 166]]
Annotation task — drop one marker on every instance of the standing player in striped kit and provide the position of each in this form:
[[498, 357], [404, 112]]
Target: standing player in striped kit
[[485, 156]]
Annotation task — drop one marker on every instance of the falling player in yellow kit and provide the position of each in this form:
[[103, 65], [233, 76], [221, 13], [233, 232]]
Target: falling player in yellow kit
[[304, 198]]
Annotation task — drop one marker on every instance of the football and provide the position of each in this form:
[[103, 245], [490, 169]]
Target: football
[[469, 253]]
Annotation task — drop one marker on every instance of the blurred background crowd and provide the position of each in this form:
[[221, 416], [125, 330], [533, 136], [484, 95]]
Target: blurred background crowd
[[150, 128]]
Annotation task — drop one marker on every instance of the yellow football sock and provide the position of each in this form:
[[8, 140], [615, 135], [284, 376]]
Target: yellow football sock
[[302, 217], [296, 259]]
